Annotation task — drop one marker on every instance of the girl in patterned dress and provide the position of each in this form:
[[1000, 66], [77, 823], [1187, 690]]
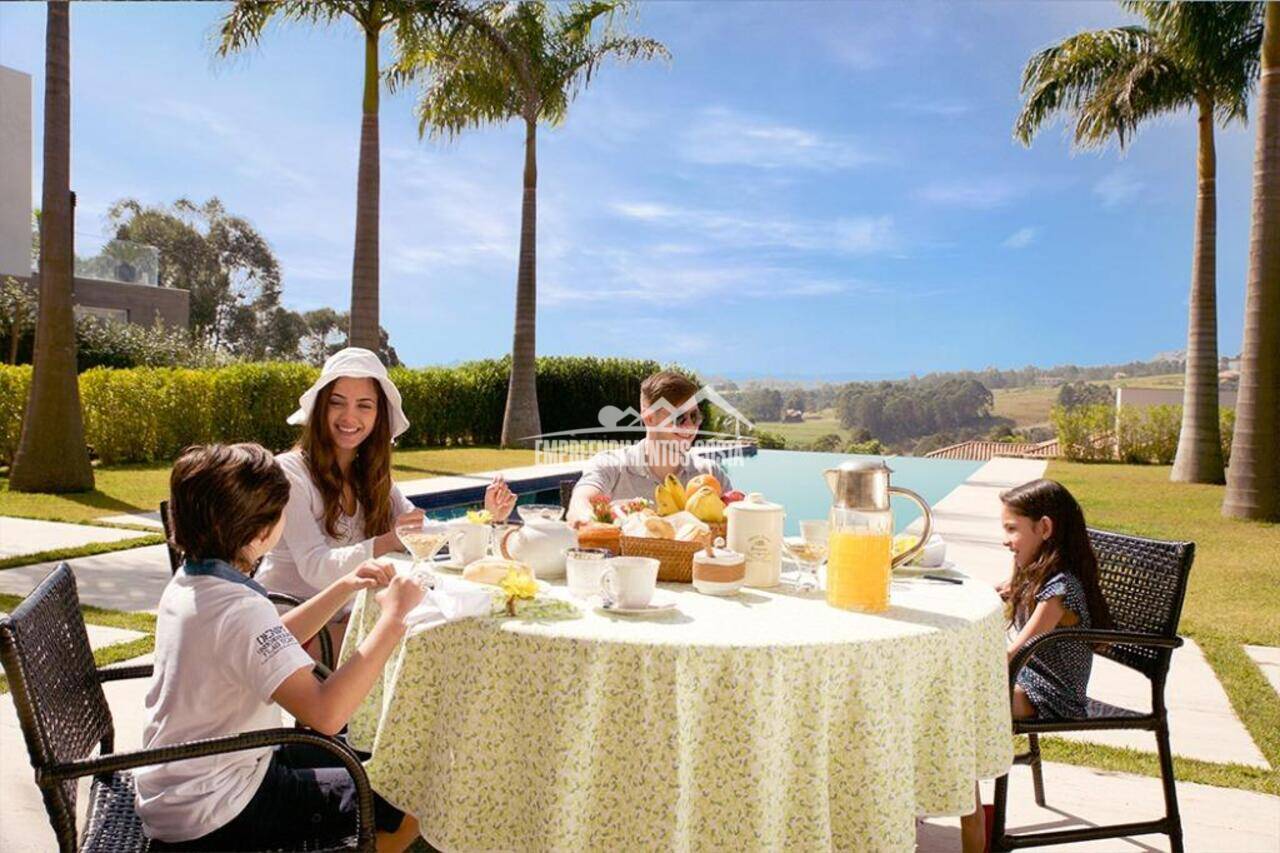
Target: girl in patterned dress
[[1054, 584]]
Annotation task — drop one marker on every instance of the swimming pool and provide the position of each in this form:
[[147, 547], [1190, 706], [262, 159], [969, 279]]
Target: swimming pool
[[790, 477], [794, 479]]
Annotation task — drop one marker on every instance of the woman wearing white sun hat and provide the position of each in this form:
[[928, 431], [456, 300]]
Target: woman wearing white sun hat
[[343, 506]]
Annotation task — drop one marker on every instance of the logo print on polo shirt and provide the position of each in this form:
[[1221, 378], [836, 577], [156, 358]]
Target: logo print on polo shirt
[[272, 640]]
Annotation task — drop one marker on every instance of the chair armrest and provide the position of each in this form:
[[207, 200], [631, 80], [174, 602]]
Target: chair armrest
[[326, 642], [1088, 635], [113, 762], [119, 673]]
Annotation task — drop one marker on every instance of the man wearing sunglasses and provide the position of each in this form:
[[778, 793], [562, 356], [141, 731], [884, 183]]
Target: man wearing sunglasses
[[671, 420]]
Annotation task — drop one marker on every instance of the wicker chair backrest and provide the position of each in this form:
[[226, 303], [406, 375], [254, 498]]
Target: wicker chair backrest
[[1144, 582], [52, 676]]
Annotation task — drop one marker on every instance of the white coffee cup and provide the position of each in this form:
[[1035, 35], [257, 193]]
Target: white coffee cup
[[467, 541], [583, 568], [629, 581]]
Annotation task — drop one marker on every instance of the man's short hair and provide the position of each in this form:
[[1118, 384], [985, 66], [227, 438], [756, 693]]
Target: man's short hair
[[221, 497], [675, 388]]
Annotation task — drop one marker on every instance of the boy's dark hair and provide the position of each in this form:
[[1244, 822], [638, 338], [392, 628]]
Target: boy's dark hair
[[222, 496], [675, 388]]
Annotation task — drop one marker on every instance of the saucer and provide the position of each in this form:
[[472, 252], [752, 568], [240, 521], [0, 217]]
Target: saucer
[[446, 563], [660, 603]]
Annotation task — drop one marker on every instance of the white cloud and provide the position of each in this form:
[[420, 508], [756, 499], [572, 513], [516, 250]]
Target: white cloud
[[976, 193], [1117, 188], [1021, 238], [845, 235], [935, 107], [721, 137]]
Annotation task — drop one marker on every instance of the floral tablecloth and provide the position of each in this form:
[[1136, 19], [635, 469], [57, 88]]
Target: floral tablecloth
[[765, 721]]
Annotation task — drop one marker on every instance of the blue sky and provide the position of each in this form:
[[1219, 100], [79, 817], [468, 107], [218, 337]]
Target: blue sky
[[805, 190]]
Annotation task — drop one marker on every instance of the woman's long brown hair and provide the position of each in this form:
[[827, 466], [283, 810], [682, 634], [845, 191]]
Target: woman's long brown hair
[[370, 475], [1066, 550]]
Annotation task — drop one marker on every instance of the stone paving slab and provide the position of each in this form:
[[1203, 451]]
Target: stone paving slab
[[141, 519], [120, 580], [1213, 819], [1268, 660], [20, 536]]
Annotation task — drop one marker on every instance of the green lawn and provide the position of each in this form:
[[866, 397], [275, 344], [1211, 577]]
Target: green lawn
[[140, 488], [1233, 599], [814, 426]]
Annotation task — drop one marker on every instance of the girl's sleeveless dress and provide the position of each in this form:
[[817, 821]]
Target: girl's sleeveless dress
[[1057, 676]]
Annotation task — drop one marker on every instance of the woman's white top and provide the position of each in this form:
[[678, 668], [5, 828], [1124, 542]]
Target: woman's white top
[[307, 559]]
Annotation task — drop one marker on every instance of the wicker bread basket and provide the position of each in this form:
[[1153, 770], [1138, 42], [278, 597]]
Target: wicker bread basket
[[675, 558]]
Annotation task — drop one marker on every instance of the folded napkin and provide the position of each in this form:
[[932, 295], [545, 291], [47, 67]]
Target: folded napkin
[[450, 601]]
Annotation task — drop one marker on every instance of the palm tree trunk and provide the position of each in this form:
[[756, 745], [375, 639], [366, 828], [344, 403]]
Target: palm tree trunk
[[363, 331], [1199, 457], [520, 422], [52, 456], [1253, 480]]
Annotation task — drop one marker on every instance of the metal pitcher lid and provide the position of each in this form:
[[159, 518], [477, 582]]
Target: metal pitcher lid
[[860, 484]]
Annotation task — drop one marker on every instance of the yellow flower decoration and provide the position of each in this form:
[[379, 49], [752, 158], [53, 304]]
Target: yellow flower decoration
[[518, 584], [479, 516]]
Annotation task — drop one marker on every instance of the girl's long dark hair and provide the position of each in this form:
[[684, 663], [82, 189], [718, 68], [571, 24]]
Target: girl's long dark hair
[[370, 475], [1066, 550]]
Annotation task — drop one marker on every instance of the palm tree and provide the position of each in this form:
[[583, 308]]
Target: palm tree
[[1109, 82], [52, 456], [494, 62], [243, 26], [1253, 481]]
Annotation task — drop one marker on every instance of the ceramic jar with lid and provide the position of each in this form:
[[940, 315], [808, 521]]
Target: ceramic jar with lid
[[718, 570], [755, 531]]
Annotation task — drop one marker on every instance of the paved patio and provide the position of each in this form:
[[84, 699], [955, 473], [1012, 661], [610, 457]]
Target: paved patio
[[20, 536]]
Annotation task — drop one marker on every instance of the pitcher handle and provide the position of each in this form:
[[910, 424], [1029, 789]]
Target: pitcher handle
[[911, 553], [502, 541]]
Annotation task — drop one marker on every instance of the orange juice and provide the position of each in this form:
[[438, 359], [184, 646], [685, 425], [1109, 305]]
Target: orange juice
[[858, 572]]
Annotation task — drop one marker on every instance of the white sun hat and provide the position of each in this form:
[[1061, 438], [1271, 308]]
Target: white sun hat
[[361, 364]]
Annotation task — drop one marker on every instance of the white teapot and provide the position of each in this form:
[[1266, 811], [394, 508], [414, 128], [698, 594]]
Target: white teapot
[[541, 543]]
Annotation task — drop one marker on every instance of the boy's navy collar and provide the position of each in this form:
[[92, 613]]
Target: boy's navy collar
[[223, 570]]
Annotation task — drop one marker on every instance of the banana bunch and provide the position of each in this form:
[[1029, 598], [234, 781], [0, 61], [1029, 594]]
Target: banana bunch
[[669, 498]]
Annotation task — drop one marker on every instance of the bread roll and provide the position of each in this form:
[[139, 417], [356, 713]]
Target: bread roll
[[659, 528]]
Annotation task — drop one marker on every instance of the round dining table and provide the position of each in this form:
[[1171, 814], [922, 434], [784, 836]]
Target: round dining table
[[765, 720]]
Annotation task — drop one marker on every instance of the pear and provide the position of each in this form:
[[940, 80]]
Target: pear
[[706, 505]]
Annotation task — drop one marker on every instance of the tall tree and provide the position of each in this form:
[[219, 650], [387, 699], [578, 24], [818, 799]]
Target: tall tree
[[1201, 56], [243, 26], [52, 456], [219, 258], [1253, 481], [493, 62]]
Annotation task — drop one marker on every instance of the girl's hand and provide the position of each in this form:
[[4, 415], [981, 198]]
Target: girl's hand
[[401, 595], [413, 516], [1003, 590], [499, 500], [369, 574]]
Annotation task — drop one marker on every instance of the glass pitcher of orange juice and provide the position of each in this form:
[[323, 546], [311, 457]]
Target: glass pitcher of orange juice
[[859, 560]]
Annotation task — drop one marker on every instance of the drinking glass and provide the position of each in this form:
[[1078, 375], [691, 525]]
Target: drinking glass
[[552, 512], [422, 539], [808, 550]]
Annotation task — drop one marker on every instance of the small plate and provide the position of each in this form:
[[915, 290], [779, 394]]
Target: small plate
[[445, 563], [660, 603]]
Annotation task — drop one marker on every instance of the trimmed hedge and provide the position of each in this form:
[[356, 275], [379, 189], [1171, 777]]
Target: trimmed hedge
[[148, 414]]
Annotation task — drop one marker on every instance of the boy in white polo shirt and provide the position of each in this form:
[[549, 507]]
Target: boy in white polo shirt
[[226, 662]]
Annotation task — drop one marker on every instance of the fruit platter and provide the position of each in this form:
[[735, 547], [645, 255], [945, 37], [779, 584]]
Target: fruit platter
[[681, 519]]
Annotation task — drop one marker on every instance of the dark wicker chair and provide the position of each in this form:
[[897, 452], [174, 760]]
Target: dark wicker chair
[[63, 712], [1144, 582], [280, 599], [566, 493]]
